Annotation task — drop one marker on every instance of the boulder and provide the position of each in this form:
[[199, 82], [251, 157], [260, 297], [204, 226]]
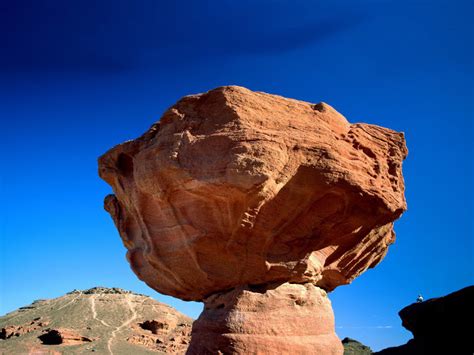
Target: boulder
[[233, 189]]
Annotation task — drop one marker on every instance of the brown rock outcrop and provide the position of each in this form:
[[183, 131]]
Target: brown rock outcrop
[[19, 330], [154, 326], [234, 187], [63, 337], [162, 336]]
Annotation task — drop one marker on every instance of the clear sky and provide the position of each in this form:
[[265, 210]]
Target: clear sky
[[77, 77]]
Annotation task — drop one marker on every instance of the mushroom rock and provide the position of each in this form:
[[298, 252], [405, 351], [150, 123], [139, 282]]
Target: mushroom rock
[[256, 205]]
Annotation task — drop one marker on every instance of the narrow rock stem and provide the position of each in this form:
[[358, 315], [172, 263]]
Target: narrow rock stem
[[266, 319]]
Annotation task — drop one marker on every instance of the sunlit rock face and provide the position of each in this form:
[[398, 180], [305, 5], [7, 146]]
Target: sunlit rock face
[[234, 187], [271, 319]]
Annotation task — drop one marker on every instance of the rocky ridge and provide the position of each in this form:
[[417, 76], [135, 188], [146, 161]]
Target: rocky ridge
[[439, 325]]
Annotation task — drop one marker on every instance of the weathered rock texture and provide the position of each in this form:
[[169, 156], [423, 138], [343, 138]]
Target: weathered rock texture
[[234, 187], [439, 325], [247, 319]]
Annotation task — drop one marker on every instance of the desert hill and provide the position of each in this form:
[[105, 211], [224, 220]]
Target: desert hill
[[101, 320]]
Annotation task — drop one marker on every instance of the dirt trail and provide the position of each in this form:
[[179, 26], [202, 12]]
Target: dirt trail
[[124, 324], [71, 301], [94, 312]]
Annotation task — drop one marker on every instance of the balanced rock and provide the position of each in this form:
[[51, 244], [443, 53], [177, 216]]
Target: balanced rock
[[234, 188]]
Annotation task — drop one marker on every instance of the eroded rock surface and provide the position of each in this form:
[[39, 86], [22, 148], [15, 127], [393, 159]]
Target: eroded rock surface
[[277, 319], [18, 330], [62, 336], [234, 188], [169, 338]]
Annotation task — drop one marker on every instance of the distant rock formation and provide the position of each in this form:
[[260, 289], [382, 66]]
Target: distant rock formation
[[252, 203], [102, 320], [19, 330], [440, 325], [353, 347]]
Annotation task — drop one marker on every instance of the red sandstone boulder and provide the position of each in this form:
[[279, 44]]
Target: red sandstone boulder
[[237, 187], [255, 203]]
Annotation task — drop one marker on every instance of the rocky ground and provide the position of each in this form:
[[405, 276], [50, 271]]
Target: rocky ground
[[102, 320]]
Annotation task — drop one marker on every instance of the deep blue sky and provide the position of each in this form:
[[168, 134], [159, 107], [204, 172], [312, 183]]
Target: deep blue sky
[[77, 77]]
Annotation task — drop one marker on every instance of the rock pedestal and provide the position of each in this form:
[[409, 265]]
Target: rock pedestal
[[273, 319], [234, 188]]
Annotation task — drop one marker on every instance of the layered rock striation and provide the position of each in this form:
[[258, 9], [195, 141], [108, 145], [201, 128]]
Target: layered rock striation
[[234, 189], [276, 318]]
